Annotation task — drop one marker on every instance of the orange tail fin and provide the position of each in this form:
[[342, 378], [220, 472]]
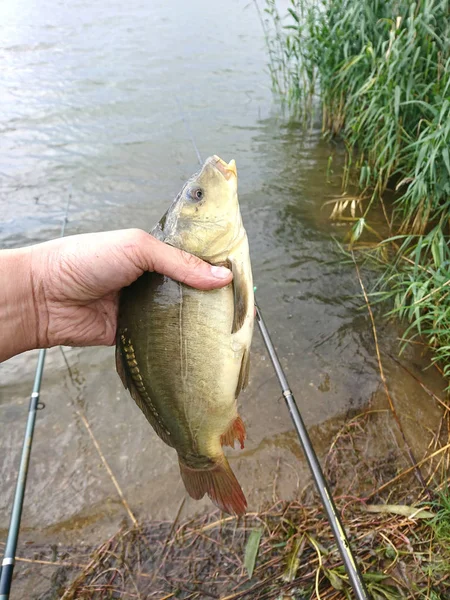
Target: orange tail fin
[[219, 483]]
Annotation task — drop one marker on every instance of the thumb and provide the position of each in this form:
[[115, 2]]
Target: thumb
[[180, 265]]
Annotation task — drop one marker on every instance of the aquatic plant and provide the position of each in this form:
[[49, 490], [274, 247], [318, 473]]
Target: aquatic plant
[[417, 281], [380, 70]]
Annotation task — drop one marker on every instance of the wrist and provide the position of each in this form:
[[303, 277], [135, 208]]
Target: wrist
[[19, 325]]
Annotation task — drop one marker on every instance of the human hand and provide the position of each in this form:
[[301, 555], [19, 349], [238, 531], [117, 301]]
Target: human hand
[[74, 284]]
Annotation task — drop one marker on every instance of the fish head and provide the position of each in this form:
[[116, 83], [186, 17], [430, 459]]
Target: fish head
[[205, 218]]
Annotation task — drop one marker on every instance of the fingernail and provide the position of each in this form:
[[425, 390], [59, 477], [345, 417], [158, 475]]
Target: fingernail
[[220, 272]]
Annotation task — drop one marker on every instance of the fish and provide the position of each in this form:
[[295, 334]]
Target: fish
[[184, 353]]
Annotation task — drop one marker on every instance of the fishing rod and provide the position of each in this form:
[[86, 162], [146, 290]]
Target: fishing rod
[[8, 562], [351, 566]]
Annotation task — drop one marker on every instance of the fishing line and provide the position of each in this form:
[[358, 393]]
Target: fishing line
[[8, 562], [188, 129], [322, 486]]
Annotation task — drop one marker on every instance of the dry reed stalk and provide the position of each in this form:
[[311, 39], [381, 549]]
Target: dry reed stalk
[[82, 416], [384, 381]]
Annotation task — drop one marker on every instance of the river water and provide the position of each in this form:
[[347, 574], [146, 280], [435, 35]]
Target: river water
[[99, 102]]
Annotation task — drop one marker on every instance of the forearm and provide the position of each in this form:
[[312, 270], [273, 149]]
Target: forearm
[[18, 319]]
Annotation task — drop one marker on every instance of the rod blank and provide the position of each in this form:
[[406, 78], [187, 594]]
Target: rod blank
[[8, 562]]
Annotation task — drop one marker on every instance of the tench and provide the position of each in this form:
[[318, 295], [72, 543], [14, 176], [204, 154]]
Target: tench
[[184, 353]]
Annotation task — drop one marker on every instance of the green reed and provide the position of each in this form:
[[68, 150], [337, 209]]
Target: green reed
[[380, 70]]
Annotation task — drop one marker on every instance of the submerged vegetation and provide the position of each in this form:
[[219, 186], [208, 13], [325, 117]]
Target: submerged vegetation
[[380, 72]]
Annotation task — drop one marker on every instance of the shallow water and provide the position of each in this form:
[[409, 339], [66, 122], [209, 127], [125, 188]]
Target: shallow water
[[95, 102]]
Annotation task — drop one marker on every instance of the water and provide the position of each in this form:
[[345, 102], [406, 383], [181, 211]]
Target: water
[[90, 95]]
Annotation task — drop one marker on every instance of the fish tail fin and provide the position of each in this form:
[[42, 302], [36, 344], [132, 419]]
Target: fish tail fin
[[235, 431], [219, 483]]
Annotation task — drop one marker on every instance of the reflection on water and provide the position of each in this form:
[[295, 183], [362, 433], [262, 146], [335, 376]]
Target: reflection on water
[[90, 108]]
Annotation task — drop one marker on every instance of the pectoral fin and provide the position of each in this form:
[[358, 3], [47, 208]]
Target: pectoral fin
[[243, 373], [240, 298]]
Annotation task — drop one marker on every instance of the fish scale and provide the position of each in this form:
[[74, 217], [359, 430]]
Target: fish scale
[[133, 368]]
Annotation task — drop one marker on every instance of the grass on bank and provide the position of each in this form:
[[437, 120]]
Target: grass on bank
[[380, 72]]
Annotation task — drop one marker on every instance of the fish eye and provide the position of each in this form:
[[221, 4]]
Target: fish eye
[[196, 194]]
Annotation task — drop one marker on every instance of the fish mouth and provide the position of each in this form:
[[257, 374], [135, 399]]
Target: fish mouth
[[227, 169]]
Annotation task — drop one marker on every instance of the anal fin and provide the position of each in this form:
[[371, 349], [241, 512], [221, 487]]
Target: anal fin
[[219, 483], [235, 431]]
